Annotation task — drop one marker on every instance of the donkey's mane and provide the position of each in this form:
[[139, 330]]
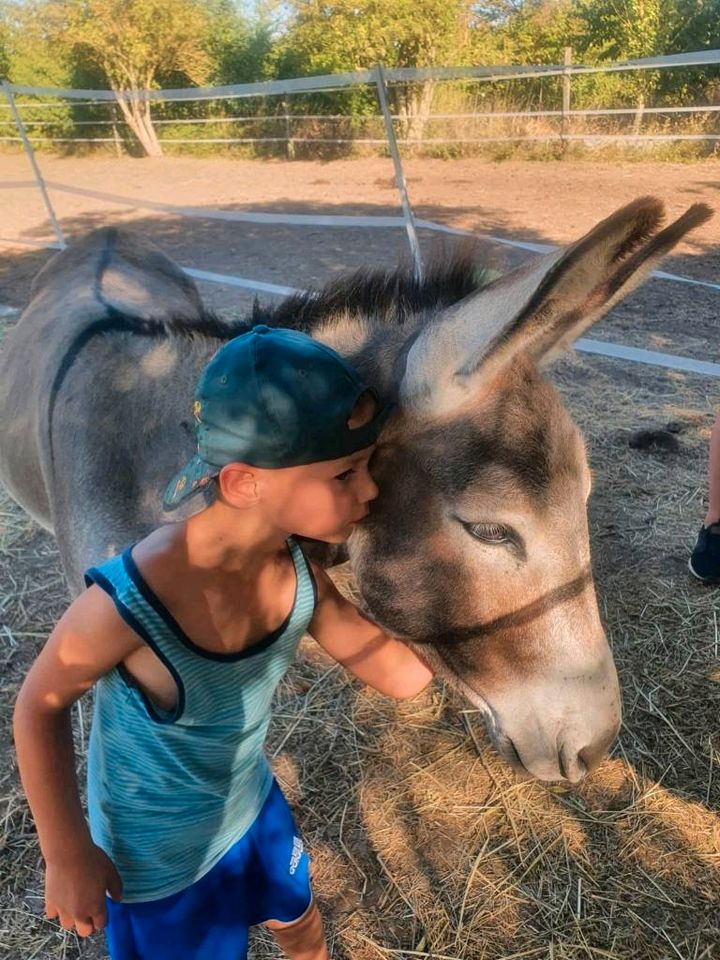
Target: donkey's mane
[[388, 296]]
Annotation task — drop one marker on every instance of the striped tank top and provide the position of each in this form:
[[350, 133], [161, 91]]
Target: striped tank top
[[169, 792]]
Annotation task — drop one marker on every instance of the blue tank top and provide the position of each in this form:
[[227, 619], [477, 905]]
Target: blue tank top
[[169, 792]]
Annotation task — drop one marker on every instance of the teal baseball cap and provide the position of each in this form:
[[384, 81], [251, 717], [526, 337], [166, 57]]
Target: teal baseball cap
[[272, 398]]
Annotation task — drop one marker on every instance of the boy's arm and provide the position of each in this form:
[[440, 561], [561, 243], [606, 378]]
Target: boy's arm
[[87, 642], [362, 647]]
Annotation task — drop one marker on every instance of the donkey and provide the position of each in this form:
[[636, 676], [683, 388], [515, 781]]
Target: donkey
[[477, 547]]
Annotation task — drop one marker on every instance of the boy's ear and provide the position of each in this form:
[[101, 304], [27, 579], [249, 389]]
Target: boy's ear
[[238, 484]]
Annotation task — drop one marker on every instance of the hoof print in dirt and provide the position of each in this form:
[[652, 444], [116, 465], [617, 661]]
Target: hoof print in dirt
[[654, 441]]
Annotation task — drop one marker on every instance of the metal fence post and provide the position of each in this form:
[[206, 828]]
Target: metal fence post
[[33, 163], [289, 144], [399, 175], [565, 97], [115, 132]]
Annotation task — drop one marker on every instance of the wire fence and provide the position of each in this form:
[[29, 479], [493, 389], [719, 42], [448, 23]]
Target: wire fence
[[452, 108]]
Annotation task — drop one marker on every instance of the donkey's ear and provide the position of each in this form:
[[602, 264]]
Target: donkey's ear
[[540, 308]]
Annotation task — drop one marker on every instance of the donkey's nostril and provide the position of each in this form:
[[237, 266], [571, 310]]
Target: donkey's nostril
[[592, 755], [589, 758], [573, 766]]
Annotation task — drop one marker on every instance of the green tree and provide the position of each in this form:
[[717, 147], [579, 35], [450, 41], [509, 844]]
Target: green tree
[[238, 48], [134, 43], [346, 35], [537, 31], [627, 30], [694, 26], [33, 58], [5, 41]]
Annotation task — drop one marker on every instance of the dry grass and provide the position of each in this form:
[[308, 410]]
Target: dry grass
[[424, 844]]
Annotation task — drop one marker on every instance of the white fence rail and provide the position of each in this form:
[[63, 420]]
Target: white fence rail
[[338, 81], [328, 83]]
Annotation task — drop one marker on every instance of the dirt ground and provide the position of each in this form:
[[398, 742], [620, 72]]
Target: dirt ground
[[551, 202], [424, 844]]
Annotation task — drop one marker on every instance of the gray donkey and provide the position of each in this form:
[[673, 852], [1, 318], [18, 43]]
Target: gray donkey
[[477, 546]]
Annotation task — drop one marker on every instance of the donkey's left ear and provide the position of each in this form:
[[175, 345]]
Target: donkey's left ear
[[541, 307], [597, 272]]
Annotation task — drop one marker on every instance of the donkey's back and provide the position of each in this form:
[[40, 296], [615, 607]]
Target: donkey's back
[[93, 287]]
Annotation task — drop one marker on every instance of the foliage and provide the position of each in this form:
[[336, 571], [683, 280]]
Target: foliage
[[135, 42], [348, 35], [6, 38], [238, 49], [130, 45], [34, 59]]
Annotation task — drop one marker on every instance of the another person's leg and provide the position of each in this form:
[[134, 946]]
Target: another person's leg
[[704, 562], [713, 514]]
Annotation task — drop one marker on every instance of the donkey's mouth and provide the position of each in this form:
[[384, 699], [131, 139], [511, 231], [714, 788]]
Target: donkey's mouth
[[501, 742], [511, 755]]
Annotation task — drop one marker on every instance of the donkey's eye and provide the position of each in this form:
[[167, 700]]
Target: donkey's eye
[[490, 532]]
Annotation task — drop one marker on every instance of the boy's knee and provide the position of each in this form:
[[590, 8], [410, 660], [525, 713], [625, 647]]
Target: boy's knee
[[304, 919]]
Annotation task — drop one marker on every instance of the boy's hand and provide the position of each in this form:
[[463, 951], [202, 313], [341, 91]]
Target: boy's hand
[[382, 661], [75, 890]]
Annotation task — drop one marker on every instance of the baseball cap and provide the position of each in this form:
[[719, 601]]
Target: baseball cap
[[272, 398]]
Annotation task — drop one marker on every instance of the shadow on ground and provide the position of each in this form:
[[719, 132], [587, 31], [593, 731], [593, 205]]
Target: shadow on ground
[[662, 315]]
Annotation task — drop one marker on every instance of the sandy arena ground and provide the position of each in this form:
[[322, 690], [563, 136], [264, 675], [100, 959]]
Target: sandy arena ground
[[425, 845]]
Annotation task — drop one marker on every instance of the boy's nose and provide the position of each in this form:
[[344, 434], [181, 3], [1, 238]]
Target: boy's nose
[[370, 490]]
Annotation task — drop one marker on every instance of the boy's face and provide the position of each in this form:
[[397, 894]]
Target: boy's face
[[321, 500]]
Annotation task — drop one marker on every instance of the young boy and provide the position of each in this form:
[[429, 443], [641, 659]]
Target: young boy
[[185, 636]]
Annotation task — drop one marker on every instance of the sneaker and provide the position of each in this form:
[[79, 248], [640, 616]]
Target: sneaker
[[704, 562]]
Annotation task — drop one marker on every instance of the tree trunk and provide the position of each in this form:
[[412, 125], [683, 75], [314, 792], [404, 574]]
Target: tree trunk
[[640, 109], [414, 103], [138, 118]]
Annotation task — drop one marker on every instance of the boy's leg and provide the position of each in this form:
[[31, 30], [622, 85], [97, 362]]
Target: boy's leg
[[200, 923], [280, 887], [301, 939]]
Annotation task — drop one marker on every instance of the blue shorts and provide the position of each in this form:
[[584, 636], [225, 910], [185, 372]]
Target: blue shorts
[[264, 876]]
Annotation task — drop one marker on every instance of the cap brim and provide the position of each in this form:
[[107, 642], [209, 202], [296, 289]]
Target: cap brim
[[189, 481], [368, 434]]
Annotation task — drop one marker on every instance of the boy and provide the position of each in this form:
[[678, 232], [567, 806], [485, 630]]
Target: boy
[[185, 636]]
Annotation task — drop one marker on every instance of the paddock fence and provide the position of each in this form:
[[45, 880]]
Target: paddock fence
[[277, 115], [25, 104]]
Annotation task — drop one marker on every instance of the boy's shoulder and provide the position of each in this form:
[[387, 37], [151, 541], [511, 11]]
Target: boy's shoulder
[[91, 635]]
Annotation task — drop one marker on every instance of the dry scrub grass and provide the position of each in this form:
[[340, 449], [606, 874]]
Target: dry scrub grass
[[424, 843]]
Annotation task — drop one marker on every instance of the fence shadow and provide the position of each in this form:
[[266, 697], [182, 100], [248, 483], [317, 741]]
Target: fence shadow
[[662, 315]]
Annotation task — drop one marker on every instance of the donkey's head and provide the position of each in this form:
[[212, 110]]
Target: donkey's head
[[477, 546]]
